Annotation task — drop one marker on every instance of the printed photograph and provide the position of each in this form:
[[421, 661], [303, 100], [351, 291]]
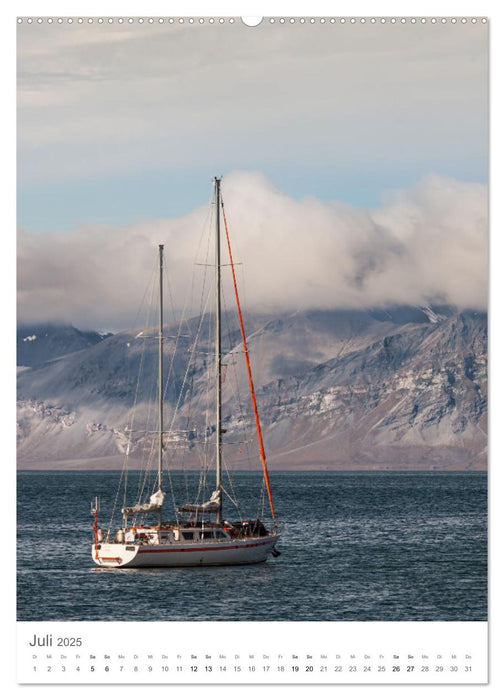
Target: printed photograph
[[252, 319]]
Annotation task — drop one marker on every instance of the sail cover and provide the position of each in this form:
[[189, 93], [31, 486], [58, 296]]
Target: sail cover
[[211, 506], [154, 504]]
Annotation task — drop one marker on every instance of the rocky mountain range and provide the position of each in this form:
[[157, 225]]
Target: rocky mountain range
[[396, 388], [41, 342]]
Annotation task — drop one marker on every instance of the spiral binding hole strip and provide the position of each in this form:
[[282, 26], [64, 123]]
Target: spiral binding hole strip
[[232, 20]]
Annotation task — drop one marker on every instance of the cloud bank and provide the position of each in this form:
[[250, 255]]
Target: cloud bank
[[423, 245]]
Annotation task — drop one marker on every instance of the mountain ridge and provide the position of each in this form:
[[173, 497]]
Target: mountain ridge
[[397, 388], [40, 342]]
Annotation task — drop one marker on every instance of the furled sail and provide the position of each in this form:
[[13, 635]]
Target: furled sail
[[211, 506], [154, 504]]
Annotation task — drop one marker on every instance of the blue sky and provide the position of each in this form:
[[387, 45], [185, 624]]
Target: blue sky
[[354, 159], [63, 206], [121, 123]]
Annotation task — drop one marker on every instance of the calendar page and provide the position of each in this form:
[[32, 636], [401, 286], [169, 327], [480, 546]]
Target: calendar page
[[252, 258]]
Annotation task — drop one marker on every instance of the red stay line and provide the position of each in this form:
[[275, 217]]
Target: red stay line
[[249, 371]]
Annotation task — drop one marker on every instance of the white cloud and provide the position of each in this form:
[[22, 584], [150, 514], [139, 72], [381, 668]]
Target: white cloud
[[426, 243]]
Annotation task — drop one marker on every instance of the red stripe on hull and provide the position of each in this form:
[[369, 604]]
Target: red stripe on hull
[[202, 549]]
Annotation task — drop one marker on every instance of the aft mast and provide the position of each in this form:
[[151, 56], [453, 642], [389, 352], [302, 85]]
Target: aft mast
[[155, 503], [160, 381], [218, 358]]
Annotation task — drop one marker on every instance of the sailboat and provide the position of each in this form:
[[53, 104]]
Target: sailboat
[[200, 534]]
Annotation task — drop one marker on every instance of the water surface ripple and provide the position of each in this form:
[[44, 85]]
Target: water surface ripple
[[355, 546]]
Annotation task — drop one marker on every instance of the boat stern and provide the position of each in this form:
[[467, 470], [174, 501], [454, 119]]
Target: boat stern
[[114, 555]]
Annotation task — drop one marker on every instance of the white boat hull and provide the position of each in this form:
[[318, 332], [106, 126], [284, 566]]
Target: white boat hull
[[251, 550]]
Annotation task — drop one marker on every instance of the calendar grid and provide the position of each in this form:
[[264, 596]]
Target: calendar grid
[[310, 653]]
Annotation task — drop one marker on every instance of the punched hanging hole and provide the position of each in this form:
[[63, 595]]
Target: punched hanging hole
[[251, 21]]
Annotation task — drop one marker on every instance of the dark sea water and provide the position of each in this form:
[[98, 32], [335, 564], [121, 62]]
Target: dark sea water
[[355, 546]]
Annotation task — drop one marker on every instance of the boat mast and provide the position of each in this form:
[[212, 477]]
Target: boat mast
[[218, 359], [160, 380]]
